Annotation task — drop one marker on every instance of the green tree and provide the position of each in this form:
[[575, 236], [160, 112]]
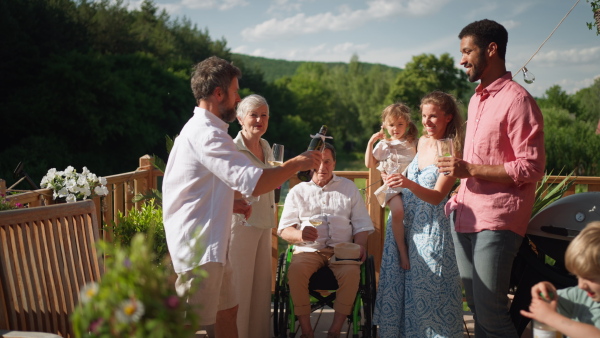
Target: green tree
[[588, 100], [558, 98], [426, 73], [571, 144], [93, 83]]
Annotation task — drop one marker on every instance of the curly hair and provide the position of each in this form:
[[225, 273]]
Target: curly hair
[[447, 103], [212, 73], [400, 111], [485, 32]]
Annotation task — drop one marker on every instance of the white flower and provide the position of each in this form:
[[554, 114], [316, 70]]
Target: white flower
[[131, 310], [101, 190], [82, 181], [63, 192], [73, 185], [88, 292]]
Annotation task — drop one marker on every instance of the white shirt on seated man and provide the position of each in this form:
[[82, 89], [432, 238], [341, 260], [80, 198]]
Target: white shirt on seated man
[[347, 221]]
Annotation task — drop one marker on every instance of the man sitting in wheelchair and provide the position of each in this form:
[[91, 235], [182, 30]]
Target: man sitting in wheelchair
[[345, 220]]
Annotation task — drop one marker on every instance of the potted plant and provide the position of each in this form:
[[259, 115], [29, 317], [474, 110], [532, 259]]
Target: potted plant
[[73, 186]]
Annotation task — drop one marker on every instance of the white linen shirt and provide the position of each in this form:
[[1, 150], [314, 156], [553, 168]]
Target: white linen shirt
[[203, 170], [339, 199]]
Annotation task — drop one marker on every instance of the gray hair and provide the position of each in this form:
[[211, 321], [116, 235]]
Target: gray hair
[[250, 102]]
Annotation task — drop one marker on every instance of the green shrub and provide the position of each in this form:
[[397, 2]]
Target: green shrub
[[149, 221]]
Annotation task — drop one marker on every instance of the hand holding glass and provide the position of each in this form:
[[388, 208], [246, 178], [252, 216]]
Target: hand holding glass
[[392, 166], [315, 221], [277, 155], [249, 200], [445, 148]]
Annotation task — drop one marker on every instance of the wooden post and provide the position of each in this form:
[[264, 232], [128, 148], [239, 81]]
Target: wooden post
[[2, 187], [375, 242], [146, 163]]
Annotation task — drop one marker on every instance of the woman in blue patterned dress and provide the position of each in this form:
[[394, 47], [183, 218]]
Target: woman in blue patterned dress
[[426, 300]]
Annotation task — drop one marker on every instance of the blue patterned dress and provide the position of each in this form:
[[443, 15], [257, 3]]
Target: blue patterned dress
[[426, 300]]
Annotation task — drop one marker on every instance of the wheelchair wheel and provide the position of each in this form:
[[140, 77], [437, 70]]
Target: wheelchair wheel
[[367, 297], [280, 301]]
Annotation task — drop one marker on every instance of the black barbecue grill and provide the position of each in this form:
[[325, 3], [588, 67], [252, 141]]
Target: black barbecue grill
[[549, 233]]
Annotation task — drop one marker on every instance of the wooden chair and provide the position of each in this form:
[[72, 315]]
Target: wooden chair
[[47, 254]]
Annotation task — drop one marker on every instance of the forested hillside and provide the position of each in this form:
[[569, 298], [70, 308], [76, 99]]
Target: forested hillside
[[92, 83], [274, 69]]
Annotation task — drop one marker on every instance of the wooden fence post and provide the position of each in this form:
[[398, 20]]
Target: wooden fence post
[[2, 187], [375, 241]]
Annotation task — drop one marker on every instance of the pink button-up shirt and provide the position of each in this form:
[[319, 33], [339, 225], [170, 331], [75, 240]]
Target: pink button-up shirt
[[505, 127]]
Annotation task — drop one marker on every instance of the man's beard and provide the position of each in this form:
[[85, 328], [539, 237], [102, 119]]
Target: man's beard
[[227, 114], [477, 69]]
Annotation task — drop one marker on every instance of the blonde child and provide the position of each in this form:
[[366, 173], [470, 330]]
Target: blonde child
[[401, 148], [573, 311]]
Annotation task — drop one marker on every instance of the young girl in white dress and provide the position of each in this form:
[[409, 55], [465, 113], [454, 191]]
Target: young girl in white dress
[[400, 149]]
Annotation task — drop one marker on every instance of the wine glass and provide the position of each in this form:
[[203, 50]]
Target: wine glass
[[249, 200], [277, 155], [315, 221]]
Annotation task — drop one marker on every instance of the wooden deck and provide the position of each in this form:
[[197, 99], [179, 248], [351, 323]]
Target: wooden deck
[[322, 318]]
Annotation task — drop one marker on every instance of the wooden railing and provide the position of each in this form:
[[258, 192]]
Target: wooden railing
[[122, 188]]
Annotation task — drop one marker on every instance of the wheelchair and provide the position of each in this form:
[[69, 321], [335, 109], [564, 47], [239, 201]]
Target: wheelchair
[[322, 286]]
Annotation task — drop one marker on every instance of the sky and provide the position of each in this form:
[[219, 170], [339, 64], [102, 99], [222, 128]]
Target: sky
[[391, 32]]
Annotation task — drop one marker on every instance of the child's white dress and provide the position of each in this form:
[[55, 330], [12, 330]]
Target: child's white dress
[[405, 152]]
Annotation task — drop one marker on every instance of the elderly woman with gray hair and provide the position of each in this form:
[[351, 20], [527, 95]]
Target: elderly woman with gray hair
[[250, 246]]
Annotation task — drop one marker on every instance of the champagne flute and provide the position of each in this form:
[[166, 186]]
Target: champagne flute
[[445, 148], [277, 155], [391, 167]]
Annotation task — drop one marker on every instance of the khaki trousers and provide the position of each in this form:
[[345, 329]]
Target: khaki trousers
[[304, 264]]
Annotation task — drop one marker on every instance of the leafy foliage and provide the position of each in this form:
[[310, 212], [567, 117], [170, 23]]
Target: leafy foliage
[[135, 297], [424, 74], [83, 77], [148, 220], [5, 204], [570, 143], [273, 69], [548, 192]]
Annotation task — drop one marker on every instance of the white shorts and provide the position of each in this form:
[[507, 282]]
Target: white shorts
[[213, 293]]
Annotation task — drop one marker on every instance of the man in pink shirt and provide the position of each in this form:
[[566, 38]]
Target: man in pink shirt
[[503, 159]]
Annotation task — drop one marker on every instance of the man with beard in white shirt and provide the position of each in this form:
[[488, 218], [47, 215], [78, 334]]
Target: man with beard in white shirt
[[203, 171]]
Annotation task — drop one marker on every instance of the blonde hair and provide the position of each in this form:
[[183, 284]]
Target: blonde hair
[[447, 103], [583, 253], [400, 111]]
